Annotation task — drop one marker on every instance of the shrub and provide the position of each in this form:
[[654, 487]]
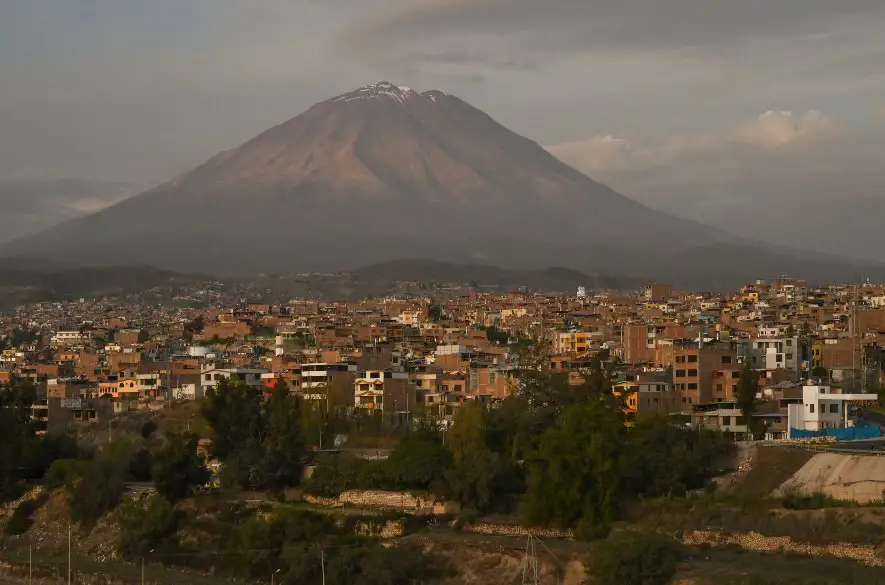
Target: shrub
[[793, 500], [60, 473], [635, 558], [21, 519], [147, 525]]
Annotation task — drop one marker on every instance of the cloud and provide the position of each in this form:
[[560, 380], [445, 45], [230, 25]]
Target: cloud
[[803, 179], [779, 128], [572, 24]]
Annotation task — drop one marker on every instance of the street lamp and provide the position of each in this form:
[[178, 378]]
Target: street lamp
[[142, 566], [272, 576]]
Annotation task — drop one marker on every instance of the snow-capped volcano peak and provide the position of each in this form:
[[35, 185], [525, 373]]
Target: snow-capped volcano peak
[[383, 89]]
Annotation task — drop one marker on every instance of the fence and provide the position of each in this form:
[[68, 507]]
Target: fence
[[863, 430]]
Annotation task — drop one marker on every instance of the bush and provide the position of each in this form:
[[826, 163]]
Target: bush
[[148, 429], [21, 519], [60, 473], [794, 500], [635, 558], [148, 525]]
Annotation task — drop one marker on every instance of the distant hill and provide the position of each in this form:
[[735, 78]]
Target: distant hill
[[21, 286], [548, 279]]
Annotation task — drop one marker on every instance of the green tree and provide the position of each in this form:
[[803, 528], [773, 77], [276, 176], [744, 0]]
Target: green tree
[[745, 394], [283, 443], [661, 458], [18, 437], [468, 431], [177, 467], [628, 558], [147, 526], [435, 312], [418, 462], [260, 441], [478, 476], [96, 487], [575, 480]]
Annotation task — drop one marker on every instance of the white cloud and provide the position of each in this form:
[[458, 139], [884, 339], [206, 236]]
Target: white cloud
[[798, 179]]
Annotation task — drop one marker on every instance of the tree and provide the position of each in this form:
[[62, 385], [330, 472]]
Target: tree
[[96, 487], [260, 442], [478, 475], [661, 458], [745, 393], [148, 526], [283, 443], [468, 431], [628, 558], [177, 467], [18, 436], [418, 462], [575, 480], [435, 312]]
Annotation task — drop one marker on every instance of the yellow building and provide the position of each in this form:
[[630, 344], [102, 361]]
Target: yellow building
[[572, 342]]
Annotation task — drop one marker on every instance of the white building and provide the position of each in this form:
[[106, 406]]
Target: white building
[[210, 376], [781, 352], [68, 338], [822, 408]]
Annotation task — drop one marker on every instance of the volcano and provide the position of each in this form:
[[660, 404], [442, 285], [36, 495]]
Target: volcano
[[378, 174]]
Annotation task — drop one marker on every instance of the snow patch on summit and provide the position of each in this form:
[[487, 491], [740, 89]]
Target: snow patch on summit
[[399, 93]]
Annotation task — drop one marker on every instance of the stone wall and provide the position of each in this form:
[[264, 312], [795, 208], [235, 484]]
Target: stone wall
[[400, 501], [517, 530], [865, 554]]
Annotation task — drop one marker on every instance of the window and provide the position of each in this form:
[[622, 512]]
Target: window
[[735, 375], [789, 356], [493, 378], [834, 409], [692, 373], [680, 373], [726, 420], [718, 387], [692, 358], [811, 408], [692, 386], [726, 359], [208, 377], [680, 359], [789, 343]]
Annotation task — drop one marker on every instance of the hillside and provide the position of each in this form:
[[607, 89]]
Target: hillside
[[21, 286], [547, 279]]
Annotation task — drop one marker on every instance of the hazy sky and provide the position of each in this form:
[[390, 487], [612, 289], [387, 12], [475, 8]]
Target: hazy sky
[[665, 99]]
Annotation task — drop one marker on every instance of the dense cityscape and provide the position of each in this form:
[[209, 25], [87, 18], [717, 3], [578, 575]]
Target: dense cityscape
[[471, 411]]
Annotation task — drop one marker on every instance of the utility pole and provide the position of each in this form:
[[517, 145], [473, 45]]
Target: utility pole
[[142, 570], [531, 573], [323, 565]]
